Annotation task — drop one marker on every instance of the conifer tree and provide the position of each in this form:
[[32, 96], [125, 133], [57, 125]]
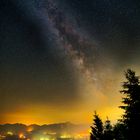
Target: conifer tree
[[131, 107], [108, 132], [96, 128]]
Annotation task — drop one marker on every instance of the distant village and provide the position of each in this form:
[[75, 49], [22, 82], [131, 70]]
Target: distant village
[[60, 131]]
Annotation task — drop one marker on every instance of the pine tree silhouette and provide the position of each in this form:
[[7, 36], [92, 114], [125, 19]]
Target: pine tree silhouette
[[108, 130], [97, 128], [131, 107]]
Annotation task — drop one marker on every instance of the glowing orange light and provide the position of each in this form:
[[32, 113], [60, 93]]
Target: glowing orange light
[[30, 129], [21, 135]]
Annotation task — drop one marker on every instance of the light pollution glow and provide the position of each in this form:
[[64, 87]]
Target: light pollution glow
[[107, 105], [33, 71]]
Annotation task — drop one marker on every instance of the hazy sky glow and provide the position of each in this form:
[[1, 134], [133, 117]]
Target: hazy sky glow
[[60, 60]]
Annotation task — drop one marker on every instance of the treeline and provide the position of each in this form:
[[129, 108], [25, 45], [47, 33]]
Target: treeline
[[128, 127]]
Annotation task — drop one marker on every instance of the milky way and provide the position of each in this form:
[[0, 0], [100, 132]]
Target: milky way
[[65, 54]]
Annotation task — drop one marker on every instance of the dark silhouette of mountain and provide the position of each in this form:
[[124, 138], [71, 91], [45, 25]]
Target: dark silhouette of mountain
[[15, 128], [57, 128]]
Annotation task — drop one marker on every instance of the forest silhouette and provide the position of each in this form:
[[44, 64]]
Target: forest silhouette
[[128, 127]]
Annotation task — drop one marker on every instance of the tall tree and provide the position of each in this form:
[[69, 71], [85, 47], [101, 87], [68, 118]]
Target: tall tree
[[96, 128], [131, 107]]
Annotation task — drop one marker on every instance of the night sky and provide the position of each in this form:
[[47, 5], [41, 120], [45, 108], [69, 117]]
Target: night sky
[[62, 59]]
